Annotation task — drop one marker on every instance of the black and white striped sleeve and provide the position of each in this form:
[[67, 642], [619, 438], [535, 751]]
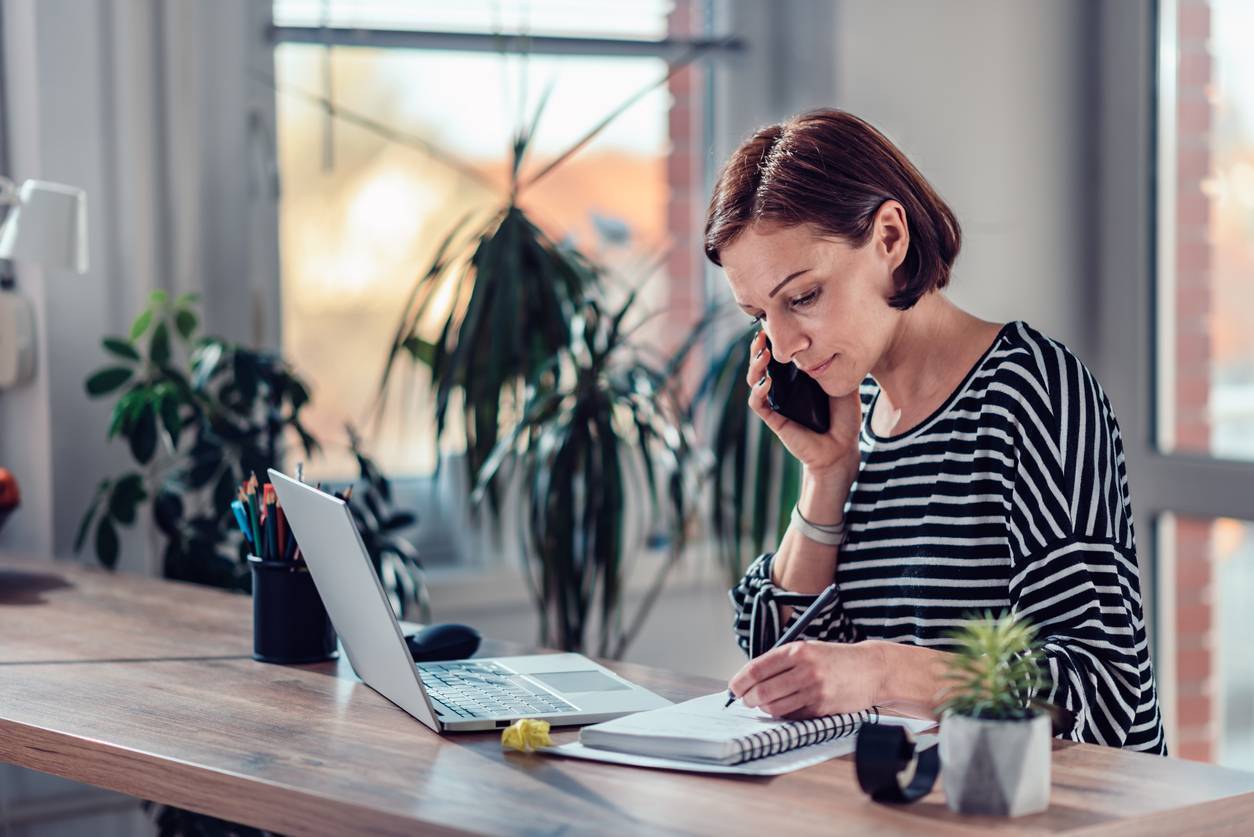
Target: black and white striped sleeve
[[1073, 559], [757, 602]]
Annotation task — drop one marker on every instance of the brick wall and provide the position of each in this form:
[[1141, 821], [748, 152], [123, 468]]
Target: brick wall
[[685, 207], [1197, 720]]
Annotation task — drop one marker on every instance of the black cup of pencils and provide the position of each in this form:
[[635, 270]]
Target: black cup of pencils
[[290, 623]]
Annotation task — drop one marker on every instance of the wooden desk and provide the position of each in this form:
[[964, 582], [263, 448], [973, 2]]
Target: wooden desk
[[148, 688]]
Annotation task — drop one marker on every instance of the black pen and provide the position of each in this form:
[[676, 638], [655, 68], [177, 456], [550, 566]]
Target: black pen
[[794, 631]]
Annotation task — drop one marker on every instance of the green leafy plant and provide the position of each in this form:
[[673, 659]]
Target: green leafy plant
[[602, 424], [995, 669], [199, 415], [513, 291], [498, 303], [503, 295], [755, 481]]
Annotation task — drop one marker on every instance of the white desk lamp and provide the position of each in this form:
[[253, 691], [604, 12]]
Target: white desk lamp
[[47, 225]]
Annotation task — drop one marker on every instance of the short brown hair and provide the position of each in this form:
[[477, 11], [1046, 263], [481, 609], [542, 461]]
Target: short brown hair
[[833, 170]]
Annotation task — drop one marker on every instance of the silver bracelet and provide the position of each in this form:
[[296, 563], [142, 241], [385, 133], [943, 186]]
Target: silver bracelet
[[827, 534]]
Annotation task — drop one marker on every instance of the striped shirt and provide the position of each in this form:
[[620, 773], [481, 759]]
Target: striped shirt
[[1013, 496]]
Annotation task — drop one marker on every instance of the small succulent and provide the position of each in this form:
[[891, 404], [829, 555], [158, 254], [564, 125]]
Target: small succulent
[[995, 669]]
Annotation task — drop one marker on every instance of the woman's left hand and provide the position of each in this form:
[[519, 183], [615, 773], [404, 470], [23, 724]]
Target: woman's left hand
[[809, 678]]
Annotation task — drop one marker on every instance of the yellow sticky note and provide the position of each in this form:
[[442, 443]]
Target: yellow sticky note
[[525, 735]]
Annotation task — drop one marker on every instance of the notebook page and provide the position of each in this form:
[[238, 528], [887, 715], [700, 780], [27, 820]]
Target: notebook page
[[702, 718], [769, 766], [702, 722]]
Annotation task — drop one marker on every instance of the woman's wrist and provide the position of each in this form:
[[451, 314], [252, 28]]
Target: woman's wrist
[[910, 678], [823, 496]]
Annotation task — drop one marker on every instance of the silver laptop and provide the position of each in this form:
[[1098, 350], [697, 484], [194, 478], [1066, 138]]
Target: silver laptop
[[462, 695]]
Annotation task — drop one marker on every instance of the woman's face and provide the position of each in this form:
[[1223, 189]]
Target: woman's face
[[823, 303]]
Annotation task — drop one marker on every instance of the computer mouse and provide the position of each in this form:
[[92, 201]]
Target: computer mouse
[[448, 641]]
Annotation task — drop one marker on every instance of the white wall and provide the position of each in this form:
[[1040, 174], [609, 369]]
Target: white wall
[[160, 110], [48, 430], [991, 100]]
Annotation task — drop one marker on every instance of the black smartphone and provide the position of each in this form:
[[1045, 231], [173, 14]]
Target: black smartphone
[[797, 396]]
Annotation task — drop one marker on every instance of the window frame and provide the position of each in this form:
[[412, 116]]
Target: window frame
[[1133, 259]]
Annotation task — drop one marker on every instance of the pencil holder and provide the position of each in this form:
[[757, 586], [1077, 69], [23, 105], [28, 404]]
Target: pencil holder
[[290, 623]]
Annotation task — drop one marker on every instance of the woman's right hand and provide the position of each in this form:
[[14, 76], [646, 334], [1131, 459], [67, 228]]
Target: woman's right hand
[[826, 456]]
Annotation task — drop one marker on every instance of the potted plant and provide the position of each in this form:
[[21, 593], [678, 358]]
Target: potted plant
[[500, 300], [603, 427], [199, 415], [994, 739], [495, 303]]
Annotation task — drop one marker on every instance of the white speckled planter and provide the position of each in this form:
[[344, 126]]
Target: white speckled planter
[[995, 767]]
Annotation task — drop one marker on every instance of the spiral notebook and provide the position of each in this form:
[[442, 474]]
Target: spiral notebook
[[701, 730]]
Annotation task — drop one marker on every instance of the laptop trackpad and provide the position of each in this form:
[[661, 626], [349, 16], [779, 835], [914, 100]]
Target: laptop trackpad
[[579, 681]]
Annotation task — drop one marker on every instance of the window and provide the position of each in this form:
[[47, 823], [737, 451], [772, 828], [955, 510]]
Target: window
[[1207, 598], [1206, 229], [636, 19], [384, 145], [1192, 467]]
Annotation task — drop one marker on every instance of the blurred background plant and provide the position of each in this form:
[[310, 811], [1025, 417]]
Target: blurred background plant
[[546, 390], [199, 416], [495, 304], [755, 481], [605, 457], [380, 524]]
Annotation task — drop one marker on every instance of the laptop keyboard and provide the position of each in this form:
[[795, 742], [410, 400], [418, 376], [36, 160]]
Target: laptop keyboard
[[470, 689]]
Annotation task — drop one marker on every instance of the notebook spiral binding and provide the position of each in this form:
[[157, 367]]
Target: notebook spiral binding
[[801, 734]]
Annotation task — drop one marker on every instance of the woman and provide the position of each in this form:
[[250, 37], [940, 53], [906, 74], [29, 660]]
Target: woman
[[970, 465]]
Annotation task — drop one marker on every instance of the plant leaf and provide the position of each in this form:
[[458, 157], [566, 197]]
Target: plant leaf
[[106, 542], [167, 511], [170, 418], [159, 347], [206, 459], [224, 491], [419, 349], [679, 64], [83, 527], [244, 364], [400, 520], [205, 362], [186, 321], [127, 493], [141, 324], [119, 347], [143, 435], [297, 393], [107, 380]]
